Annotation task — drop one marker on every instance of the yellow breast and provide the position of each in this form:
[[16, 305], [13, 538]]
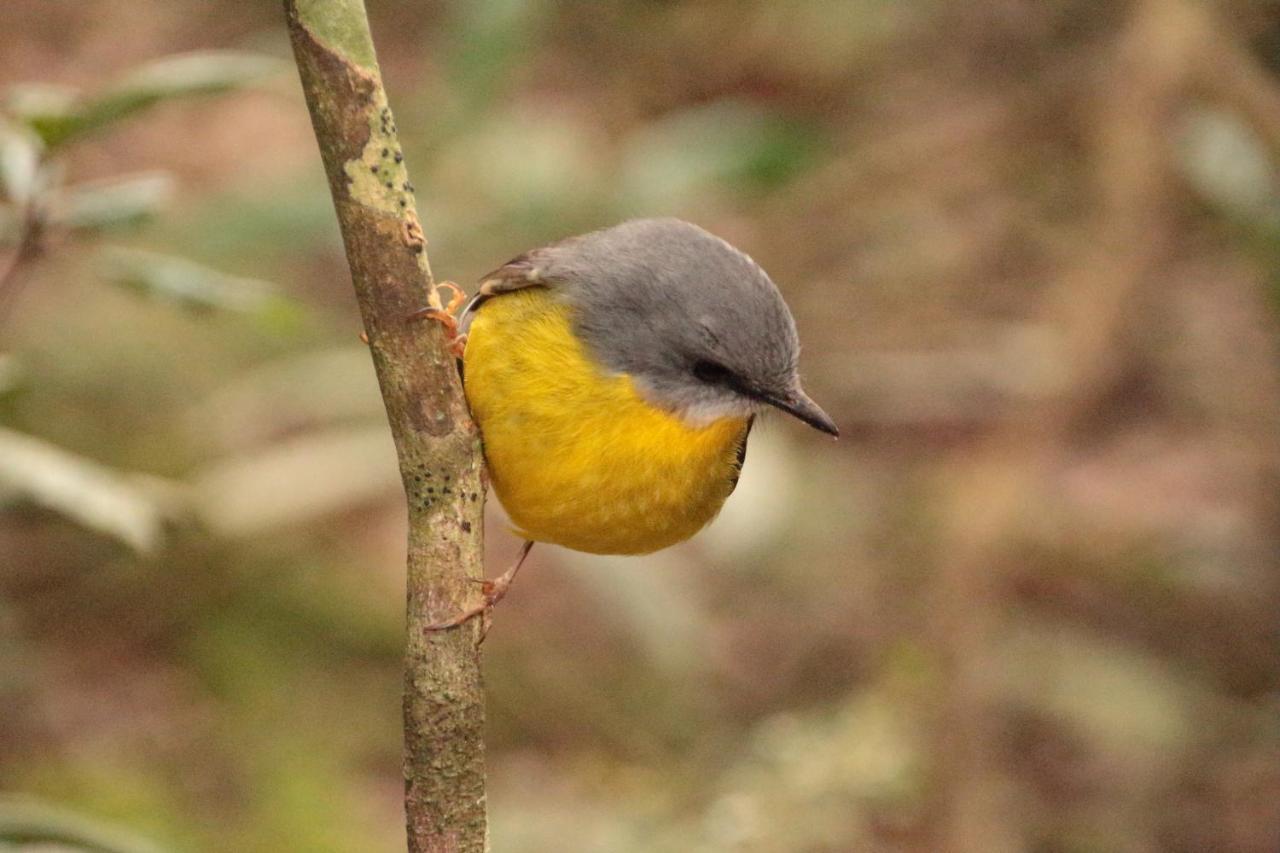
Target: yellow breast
[[576, 455]]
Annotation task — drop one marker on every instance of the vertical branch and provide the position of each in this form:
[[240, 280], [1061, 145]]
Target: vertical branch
[[436, 440]]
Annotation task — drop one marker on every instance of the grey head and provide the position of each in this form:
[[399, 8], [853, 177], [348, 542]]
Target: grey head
[[698, 325]]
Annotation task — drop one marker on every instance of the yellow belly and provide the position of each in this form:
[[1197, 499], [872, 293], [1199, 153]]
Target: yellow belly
[[576, 455]]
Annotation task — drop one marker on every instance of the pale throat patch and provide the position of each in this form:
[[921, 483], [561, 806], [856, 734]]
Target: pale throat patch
[[698, 413], [705, 414]]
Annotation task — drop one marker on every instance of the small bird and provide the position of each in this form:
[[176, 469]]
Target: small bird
[[615, 377]]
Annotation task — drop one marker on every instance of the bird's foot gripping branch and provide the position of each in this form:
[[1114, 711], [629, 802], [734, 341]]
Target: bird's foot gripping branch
[[436, 441]]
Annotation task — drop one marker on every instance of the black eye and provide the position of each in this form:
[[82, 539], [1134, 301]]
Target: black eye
[[711, 372]]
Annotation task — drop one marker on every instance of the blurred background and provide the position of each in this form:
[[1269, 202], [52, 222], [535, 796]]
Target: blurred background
[[1030, 601]]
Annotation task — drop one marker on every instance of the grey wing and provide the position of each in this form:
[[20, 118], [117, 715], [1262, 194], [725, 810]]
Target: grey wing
[[524, 270]]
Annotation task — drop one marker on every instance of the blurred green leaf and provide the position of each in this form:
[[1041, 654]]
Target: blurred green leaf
[[493, 37], [19, 163], [782, 150], [31, 825], [195, 286], [10, 373], [298, 481], [277, 398], [273, 219], [1227, 163], [119, 202], [43, 107], [549, 166], [58, 116], [80, 489], [679, 158]]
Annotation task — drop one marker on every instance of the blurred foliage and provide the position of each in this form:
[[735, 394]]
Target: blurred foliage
[[201, 530], [28, 825], [59, 114], [40, 205], [193, 286]]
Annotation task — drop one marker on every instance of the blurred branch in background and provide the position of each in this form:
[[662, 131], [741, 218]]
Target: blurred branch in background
[[985, 496], [990, 489]]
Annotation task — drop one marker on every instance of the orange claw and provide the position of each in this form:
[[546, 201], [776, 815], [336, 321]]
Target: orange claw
[[441, 316], [456, 300], [445, 316]]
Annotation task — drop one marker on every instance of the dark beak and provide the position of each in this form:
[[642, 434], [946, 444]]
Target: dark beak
[[798, 403]]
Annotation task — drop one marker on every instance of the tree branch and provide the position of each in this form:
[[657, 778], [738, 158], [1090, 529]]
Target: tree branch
[[436, 440]]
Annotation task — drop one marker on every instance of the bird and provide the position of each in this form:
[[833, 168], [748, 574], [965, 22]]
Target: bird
[[614, 377]]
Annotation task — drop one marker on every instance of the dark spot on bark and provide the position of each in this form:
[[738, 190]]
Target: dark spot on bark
[[466, 527]]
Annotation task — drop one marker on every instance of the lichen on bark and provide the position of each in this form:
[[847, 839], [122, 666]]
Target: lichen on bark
[[436, 440]]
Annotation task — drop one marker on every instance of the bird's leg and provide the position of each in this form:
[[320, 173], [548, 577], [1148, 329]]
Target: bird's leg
[[492, 592], [445, 316]]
